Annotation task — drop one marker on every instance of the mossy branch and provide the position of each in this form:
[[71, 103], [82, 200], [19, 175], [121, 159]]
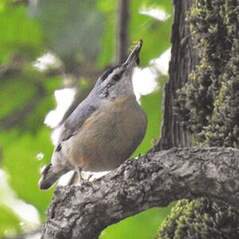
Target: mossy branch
[[154, 180]]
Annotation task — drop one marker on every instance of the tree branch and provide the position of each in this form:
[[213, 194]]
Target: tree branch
[[154, 180], [123, 25]]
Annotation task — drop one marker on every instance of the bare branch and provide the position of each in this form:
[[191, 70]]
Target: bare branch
[[155, 179], [123, 25]]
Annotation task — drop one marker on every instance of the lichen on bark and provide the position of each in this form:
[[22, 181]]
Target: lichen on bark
[[209, 101], [200, 219], [208, 104]]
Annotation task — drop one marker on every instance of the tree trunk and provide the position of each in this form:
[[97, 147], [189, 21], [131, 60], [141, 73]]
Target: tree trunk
[[206, 104], [181, 64]]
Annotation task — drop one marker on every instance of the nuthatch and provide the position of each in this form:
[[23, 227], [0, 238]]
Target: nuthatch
[[104, 129]]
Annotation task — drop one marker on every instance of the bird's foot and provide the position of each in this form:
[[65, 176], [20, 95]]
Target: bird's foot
[[79, 174]]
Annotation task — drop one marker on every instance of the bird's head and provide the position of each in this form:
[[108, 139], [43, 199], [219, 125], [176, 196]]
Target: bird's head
[[117, 81]]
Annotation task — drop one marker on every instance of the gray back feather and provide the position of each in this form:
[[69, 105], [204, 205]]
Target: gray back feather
[[76, 119]]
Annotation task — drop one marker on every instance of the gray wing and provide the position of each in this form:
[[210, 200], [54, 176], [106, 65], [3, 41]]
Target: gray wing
[[75, 120]]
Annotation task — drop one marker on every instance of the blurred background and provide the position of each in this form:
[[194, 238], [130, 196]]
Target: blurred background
[[51, 53]]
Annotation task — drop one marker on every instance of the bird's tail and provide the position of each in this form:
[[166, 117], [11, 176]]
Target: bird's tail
[[49, 177]]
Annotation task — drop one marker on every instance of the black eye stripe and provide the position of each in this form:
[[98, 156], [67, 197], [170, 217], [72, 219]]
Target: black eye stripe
[[113, 79], [117, 77], [108, 72]]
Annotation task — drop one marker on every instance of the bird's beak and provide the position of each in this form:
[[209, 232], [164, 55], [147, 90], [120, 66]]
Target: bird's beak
[[133, 58]]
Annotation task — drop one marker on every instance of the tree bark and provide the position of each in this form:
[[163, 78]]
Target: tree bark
[[182, 62], [155, 179], [208, 76]]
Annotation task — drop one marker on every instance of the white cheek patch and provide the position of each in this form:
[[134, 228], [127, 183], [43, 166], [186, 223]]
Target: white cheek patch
[[60, 158], [65, 155]]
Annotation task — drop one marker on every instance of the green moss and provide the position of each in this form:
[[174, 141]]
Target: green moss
[[206, 103], [200, 219], [209, 106]]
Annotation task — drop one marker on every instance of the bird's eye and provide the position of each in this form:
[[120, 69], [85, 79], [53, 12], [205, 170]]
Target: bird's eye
[[116, 77]]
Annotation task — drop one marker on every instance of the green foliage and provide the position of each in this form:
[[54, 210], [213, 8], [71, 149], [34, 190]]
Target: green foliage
[[31, 106], [9, 221], [149, 103], [142, 226], [108, 41], [11, 88], [21, 164], [19, 35], [73, 29], [150, 30]]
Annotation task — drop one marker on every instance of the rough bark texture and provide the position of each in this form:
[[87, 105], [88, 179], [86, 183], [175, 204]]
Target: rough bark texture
[[208, 103], [181, 64], [156, 179]]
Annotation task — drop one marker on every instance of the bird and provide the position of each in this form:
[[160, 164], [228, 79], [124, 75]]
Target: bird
[[104, 129]]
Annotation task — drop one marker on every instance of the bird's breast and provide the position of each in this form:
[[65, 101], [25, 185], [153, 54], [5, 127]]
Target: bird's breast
[[109, 136]]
